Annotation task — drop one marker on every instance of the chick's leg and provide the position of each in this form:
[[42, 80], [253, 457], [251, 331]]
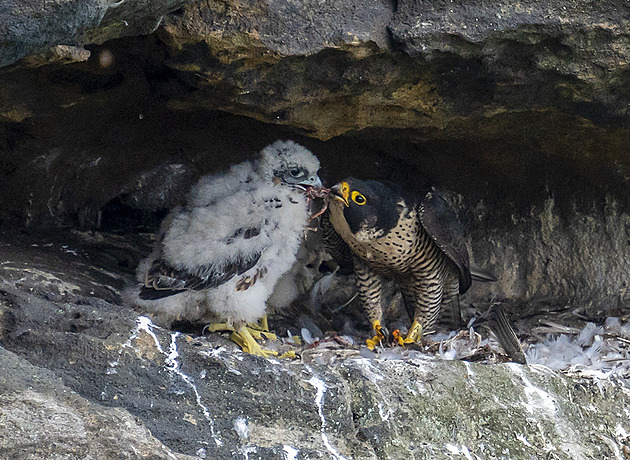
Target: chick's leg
[[257, 331], [262, 329]]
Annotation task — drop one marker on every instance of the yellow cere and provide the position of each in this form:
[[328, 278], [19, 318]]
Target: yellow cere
[[358, 198], [345, 192]]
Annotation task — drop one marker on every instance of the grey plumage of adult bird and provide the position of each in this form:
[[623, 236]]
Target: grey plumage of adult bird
[[219, 257], [415, 241]]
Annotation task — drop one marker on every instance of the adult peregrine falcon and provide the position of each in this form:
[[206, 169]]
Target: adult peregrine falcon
[[417, 243], [219, 257]]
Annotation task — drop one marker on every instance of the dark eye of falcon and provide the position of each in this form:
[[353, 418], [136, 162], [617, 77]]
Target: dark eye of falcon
[[358, 198], [295, 172]]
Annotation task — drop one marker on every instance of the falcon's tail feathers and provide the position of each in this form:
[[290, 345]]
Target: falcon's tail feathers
[[477, 274], [504, 332]]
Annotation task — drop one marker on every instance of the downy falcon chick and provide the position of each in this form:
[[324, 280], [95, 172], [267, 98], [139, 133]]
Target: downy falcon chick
[[417, 243], [219, 257]]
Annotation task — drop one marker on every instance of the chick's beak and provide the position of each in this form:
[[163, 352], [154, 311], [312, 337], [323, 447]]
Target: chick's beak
[[341, 192], [313, 182], [317, 182]]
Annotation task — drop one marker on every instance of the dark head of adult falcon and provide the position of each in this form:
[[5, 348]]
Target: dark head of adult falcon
[[219, 257], [417, 242], [370, 208]]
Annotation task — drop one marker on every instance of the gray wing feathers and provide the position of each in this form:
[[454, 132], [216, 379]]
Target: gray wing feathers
[[162, 280], [442, 224]]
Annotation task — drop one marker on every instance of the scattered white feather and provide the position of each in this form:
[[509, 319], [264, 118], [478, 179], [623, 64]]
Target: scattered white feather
[[319, 289], [447, 355], [612, 325], [306, 336], [588, 334], [348, 339], [589, 353]]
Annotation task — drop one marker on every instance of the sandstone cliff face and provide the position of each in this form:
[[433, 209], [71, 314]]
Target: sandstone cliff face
[[110, 110]]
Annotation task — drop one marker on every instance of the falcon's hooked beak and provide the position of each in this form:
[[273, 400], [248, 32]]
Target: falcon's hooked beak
[[314, 182], [341, 192]]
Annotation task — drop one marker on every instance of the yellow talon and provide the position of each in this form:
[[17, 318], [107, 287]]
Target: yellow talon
[[288, 355], [244, 339], [264, 323], [263, 326], [376, 340], [257, 334], [254, 329], [214, 327], [414, 335]]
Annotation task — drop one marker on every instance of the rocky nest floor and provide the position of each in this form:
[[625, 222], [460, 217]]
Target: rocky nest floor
[[86, 377]]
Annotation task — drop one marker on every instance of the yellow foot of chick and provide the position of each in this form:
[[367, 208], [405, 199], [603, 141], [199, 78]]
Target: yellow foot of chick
[[262, 329], [246, 341], [376, 340], [245, 337], [255, 330]]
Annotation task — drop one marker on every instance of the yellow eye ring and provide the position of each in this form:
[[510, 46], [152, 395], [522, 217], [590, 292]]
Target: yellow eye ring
[[358, 198]]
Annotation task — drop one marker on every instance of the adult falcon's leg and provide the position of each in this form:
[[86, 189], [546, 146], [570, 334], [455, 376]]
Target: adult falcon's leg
[[370, 291], [425, 295]]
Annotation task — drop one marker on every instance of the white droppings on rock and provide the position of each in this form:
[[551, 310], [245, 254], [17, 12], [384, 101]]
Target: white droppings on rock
[[538, 400], [463, 450], [524, 440], [171, 363], [544, 405], [368, 370], [241, 427], [621, 433], [320, 386], [384, 414], [469, 371], [246, 450], [142, 323], [374, 375], [289, 452], [174, 366]]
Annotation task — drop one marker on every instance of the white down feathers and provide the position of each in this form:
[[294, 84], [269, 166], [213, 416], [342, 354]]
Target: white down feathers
[[208, 235]]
